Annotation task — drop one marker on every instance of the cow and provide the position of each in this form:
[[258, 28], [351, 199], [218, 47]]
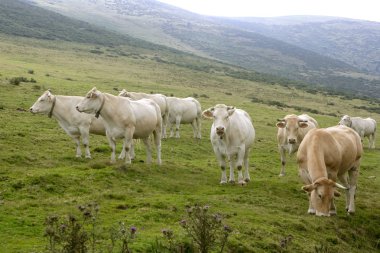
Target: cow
[[232, 136], [184, 111], [158, 98], [291, 131], [76, 125], [325, 155], [127, 119], [364, 127]]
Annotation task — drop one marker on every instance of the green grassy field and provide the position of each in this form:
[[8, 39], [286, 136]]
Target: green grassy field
[[40, 176]]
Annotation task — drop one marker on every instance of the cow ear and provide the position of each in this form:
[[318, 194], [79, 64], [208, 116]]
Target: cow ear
[[230, 110], [281, 124], [303, 124], [208, 113], [309, 187]]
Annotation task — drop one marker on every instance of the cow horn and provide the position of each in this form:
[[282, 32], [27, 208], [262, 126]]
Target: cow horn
[[341, 186]]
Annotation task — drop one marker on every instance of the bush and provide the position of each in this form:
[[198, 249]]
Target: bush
[[31, 71]]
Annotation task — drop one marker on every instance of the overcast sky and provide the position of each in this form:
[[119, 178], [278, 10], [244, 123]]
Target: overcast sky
[[356, 9]]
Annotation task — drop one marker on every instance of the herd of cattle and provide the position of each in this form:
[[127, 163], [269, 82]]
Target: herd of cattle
[[324, 154]]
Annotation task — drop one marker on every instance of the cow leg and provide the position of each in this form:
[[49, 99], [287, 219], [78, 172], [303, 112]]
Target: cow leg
[[372, 141], [332, 208], [85, 140], [122, 154], [148, 150], [198, 122], [247, 178], [353, 176], [240, 157], [77, 143], [222, 163], [232, 166], [157, 142], [283, 161], [112, 143], [171, 125], [164, 124], [194, 126], [311, 209], [177, 124]]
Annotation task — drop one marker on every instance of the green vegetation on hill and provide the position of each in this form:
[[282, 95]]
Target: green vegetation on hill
[[23, 19], [41, 177]]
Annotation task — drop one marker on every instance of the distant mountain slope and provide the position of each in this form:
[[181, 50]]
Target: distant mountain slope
[[22, 19], [206, 36], [355, 42]]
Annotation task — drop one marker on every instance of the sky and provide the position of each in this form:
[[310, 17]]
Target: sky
[[356, 9]]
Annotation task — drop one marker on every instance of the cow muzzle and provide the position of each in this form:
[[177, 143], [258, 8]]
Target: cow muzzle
[[220, 131], [77, 107], [292, 141]]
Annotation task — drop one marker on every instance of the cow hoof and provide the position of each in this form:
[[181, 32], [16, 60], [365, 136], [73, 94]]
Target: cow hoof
[[223, 182], [282, 175], [242, 182], [88, 156], [311, 211], [350, 213], [232, 181], [247, 180], [78, 156], [332, 213]]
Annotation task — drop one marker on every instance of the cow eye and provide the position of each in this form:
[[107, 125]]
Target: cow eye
[[319, 195]]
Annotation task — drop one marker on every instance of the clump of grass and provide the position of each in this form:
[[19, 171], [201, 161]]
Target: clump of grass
[[31, 71]]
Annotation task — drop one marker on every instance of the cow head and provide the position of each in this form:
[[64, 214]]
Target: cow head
[[220, 114], [123, 93], [91, 103], [322, 192], [44, 104], [291, 124], [345, 121]]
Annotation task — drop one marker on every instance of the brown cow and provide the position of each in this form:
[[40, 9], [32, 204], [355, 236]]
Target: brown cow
[[291, 131], [323, 156]]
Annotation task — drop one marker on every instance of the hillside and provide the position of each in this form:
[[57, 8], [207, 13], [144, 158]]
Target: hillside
[[352, 41], [219, 39]]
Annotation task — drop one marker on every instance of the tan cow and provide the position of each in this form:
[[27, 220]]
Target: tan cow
[[291, 131], [324, 156], [158, 98], [127, 119], [75, 124], [232, 136]]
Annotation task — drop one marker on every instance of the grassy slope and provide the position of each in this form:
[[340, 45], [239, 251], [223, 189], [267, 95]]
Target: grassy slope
[[40, 176]]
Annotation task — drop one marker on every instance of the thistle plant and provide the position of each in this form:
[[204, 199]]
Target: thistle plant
[[205, 229]]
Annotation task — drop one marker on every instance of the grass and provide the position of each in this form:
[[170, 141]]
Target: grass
[[40, 175]]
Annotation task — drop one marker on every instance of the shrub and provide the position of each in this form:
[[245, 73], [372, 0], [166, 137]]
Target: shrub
[[31, 71]]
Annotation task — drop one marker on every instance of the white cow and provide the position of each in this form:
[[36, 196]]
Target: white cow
[[184, 111], [325, 155], [158, 98], [127, 119], [364, 127], [291, 131], [232, 136], [75, 124]]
